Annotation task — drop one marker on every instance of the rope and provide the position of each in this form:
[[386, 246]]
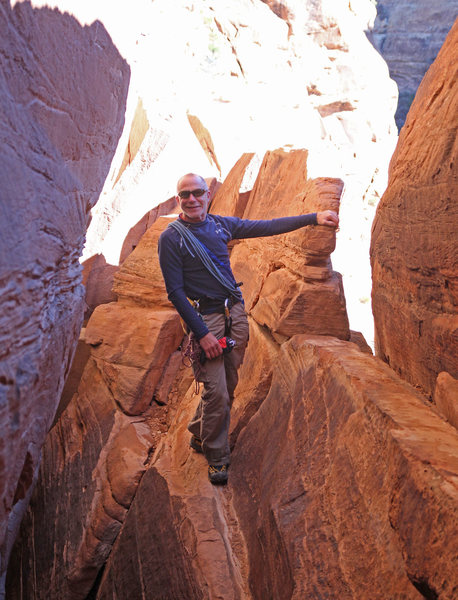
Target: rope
[[201, 251], [191, 351]]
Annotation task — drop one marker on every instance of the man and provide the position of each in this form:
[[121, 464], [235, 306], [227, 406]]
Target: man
[[200, 270]]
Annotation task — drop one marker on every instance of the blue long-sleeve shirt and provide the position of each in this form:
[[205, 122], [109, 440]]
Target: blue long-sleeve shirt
[[185, 275]]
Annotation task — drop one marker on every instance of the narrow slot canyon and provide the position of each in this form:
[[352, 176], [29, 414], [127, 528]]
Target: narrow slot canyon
[[343, 477]]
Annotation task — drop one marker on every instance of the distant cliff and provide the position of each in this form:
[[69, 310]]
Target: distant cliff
[[409, 34]]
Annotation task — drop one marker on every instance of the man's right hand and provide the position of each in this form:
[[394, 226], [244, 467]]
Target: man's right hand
[[210, 346], [328, 217]]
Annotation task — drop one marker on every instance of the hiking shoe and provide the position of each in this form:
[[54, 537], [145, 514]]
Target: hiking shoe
[[196, 444], [217, 474]]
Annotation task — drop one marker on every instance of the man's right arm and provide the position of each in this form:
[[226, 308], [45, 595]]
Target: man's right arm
[[171, 264]]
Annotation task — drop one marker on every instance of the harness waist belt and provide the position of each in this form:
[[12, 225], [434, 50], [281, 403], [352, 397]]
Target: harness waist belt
[[208, 305]]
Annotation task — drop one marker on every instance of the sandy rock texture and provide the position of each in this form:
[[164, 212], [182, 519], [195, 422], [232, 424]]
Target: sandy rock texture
[[122, 401], [63, 90], [96, 454], [446, 397], [288, 282], [337, 488], [414, 249], [409, 34]]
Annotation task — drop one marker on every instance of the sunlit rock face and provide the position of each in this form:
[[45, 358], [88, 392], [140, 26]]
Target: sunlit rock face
[[337, 488], [409, 34], [245, 77], [414, 242], [106, 437], [288, 282], [63, 91]]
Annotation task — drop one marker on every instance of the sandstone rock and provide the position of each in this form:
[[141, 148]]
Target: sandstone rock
[[205, 140], [232, 196], [138, 129], [140, 281], [336, 489], [409, 36], [137, 231], [255, 378], [288, 282], [98, 282], [62, 96], [261, 80], [189, 519], [96, 454], [357, 338], [131, 346], [446, 397], [288, 305], [414, 250], [98, 275], [80, 358], [339, 485], [92, 461]]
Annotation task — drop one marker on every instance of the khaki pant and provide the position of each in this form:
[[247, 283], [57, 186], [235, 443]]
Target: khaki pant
[[219, 376]]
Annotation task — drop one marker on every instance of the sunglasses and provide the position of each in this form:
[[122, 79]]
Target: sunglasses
[[196, 193]]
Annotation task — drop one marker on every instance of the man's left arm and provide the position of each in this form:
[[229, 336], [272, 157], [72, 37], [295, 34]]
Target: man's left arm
[[246, 228]]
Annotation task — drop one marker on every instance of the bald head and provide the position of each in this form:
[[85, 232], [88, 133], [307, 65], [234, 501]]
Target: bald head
[[193, 197], [194, 176]]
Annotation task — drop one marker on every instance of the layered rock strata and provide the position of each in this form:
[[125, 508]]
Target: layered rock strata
[[288, 282], [134, 371], [63, 91], [414, 250], [337, 488]]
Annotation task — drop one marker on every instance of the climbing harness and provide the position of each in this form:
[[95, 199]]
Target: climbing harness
[[192, 351], [203, 253], [192, 354]]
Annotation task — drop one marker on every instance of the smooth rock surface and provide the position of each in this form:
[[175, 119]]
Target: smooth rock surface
[[336, 489], [414, 248], [446, 397]]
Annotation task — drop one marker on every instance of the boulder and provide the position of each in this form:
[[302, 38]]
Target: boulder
[[414, 246], [288, 282], [232, 197]]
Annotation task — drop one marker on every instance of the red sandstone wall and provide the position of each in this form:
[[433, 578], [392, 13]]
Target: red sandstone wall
[[414, 249]]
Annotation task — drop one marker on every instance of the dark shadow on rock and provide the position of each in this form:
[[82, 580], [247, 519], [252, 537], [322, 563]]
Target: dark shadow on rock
[[63, 93]]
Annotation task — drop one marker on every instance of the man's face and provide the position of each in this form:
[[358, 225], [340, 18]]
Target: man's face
[[194, 209]]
